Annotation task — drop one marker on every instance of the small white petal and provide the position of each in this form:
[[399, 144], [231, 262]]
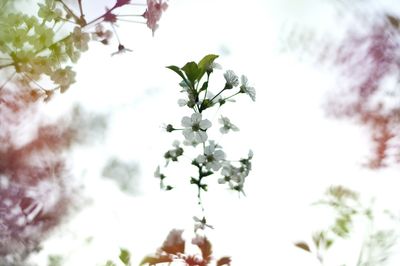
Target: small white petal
[[196, 118], [221, 181], [244, 80], [186, 122], [201, 159], [205, 124], [219, 155], [201, 136], [182, 102], [189, 134]]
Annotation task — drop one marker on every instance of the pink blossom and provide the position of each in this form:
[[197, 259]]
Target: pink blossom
[[154, 12]]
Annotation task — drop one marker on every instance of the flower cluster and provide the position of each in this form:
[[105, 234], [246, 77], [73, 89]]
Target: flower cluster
[[34, 48], [210, 158]]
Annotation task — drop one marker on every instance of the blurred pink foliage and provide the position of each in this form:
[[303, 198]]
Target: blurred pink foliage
[[368, 59], [34, 194]]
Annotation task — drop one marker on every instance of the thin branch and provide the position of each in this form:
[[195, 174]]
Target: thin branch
[[132, 21], [8, 80], [70, 11], [80, 8]]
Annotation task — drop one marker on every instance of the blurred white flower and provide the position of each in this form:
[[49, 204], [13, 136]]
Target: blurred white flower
[[80, 39], [226, 125]]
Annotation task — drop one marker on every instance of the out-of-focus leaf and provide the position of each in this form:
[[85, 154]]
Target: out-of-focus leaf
[[54, 260], [110, 263], [125, 256], [395, 22], [303, 245], [205, 247], [174, 243], [155, 260], [224, 261]]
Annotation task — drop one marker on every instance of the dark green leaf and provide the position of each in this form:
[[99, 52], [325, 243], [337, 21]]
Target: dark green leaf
[[204, 86], [178, 71], [192, 72], [194, 181]]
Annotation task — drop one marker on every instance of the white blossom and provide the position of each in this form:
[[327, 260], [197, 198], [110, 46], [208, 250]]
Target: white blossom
[[212, 157], [195, 128], [245, 88], [231, 79]]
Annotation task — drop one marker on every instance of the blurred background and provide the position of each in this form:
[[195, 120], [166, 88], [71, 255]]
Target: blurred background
[[310, 128]]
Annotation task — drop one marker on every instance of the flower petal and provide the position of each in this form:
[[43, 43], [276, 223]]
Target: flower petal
[[186, 121], [205, 124]]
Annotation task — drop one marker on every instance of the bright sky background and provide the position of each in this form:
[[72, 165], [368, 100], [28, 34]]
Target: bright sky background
[[299, 152]]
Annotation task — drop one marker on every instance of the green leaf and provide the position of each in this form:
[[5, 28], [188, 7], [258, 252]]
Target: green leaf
[[328, 243], [207, 61], [178, 71], [192, 72], [204, 87], [125, 256]]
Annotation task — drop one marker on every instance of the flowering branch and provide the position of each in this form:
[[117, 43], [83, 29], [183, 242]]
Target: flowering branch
[[211, 160]]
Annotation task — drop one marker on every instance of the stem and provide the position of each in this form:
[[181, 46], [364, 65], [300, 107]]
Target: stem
[[199, 188], [69, 11], [129, 15], [34, 81], [99, 17], [217, 94], [205, 94], [116, 34], [132, 21], [80, 8], [232, 95], [2, 86]]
